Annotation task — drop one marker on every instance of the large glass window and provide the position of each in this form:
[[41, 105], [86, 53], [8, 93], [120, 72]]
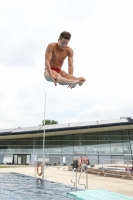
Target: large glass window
[[91, 136], [30, 142], [67, 144], [103, 136], [67, 147], [2, 149], [40, 149], [30, 149], [2, 142], [104, 147], [104, 142], [47, 145], [92, 148], [131, 139], [79, 144], [11, 142], [21, 149], [38, 142], [2, 146], [131, 135], [91, 143], [38, 145], [1, 158], [126, 148], [36, 149], [56, 144], [116, 136], [10, 149], [22, 142], [79, 147], [125, 136], [116, 148], [116, 142], [131, 142]]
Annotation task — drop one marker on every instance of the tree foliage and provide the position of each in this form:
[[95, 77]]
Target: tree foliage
[[49, 122]]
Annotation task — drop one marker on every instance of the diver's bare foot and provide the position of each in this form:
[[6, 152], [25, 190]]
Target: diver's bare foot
[[81, 81], [73, 84]]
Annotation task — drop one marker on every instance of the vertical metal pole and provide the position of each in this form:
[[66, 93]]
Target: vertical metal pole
[[34, 156], [102, 163], [60, 161], [35, 169], [76, 179], [44, 135], [86, 179]]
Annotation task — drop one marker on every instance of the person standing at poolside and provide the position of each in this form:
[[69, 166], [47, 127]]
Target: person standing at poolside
[[55, 55]]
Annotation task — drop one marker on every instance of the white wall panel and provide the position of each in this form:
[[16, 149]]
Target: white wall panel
[[8, 158]]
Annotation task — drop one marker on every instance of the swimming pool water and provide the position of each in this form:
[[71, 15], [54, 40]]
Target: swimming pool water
[[15, 186]]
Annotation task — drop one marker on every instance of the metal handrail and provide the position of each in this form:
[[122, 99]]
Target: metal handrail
[[85, 168], [86, 186], [75, 183]]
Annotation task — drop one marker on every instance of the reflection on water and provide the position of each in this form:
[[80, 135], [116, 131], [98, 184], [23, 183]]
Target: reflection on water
[[15, 186]]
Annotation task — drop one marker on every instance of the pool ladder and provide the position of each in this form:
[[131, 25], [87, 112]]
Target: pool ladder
[[78, 182]]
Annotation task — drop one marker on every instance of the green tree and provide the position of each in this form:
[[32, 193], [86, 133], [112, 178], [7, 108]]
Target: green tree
[[48, 122]]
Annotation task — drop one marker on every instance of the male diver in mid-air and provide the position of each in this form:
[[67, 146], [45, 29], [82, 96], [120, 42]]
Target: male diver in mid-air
[[54, 57]]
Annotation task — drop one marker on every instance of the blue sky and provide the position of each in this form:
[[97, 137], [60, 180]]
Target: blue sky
[[103, 47]]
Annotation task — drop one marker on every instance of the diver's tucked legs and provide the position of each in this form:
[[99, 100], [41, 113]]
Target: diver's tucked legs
[[68, 76], [61, 80]]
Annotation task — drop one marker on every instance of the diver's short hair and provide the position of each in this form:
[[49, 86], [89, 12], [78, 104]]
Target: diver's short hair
[[65, 35]]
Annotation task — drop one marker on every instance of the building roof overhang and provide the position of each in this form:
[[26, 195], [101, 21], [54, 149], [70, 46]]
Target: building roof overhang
[[65, 129]]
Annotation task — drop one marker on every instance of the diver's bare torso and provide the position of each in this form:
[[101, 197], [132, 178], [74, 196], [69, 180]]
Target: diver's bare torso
[[58, 55]]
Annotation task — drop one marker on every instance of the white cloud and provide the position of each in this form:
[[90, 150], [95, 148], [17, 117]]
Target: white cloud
[[102, 42]]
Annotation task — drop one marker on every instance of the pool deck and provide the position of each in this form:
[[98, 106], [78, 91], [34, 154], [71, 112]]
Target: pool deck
[[60, 175]]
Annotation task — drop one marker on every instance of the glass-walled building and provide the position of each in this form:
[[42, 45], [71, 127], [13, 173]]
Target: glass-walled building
[[107, 140]]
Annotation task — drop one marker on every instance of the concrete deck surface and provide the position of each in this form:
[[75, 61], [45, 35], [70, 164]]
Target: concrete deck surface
[[60, 175]]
